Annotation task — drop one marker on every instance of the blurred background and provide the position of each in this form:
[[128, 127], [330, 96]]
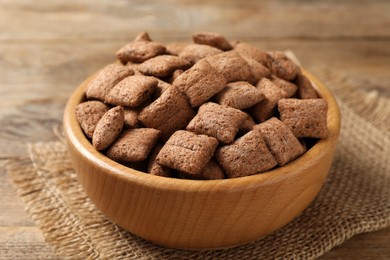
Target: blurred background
[[47, 48]]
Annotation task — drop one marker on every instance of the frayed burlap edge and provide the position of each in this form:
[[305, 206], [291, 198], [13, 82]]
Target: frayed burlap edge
[[354, 199]]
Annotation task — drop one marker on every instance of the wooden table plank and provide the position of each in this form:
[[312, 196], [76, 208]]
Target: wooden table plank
[[58, 20]]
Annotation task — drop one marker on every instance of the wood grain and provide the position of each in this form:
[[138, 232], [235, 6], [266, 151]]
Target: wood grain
[[48, 47]]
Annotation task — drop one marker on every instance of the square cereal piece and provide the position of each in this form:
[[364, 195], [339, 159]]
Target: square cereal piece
[[248, 155], [133, 145], [219, 121], [154, 167], [212, 171], [231, 65], [170, 112], [265, 109], [187, 152], [247, 50], [106, 79], [88, 115], [258, 70], [195, 52], [139, 51], [163, 66], [132, 91], [282, 143], [305, 117], [200, 83], [281, 65], [305, 88], [212, 39], [240, 95], [286, 86]]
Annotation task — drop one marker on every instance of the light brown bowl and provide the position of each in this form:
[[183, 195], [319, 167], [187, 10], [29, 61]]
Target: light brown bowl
[[201, 214]]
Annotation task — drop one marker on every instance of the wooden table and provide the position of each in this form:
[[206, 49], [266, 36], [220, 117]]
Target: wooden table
[[48, 47]]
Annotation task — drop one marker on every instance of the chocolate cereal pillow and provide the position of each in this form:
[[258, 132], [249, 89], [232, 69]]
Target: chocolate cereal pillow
[[210, 109]]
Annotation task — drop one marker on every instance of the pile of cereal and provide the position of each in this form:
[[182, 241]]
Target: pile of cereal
[[212, 109]]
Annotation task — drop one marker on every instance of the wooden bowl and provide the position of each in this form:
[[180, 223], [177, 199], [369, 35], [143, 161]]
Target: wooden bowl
[[196, 214]]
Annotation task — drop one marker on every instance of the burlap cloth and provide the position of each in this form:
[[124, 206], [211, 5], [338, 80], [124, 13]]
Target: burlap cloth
[[354, 199]]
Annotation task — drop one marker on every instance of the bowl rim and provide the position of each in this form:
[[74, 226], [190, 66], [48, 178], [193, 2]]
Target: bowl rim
[[79, 141]]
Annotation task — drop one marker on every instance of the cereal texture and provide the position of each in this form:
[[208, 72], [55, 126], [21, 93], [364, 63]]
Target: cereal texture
[[286, 86], [248, 155], [212, 39], [282, 143], [154, 167], [200, 83], [132, 91], [88, 115], [257, 69], [281, 65], [106, 79], [305, 117], [231, 65], [247, 125], [240, 95], [133, 145], [212, 171], [247, 50], [195, 52], [219, 121], [108, 128], [305, 88], [266, 108], [187, 152], [170, 112], [175, 48], [163, 66], [140, 51]]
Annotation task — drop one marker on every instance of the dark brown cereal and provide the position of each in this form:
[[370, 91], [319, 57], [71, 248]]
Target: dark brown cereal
[[212, 171], [248, 124], [154, 167], [108, 128], [247, 50], [305, 117], [132, 91], [231, 65], [133, 145], [240, 95], [286, 86], [170, 112], [305, 88], [163, 66], [187, 152], [282, 143], [265, 109], [219, 121], [258, 70], [106, 79], [88, 115], [248, 155], [212, 39], [282, 66], [140, 51], [196, 52], [200, 83]]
